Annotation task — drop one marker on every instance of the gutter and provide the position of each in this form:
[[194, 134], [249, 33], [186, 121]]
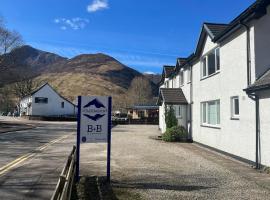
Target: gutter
[[248, 52]]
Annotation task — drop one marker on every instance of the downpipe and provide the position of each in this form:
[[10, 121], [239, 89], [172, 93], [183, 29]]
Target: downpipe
[[248, 53], [256, 98]]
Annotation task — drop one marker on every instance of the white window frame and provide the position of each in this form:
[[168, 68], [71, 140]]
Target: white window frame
[[206, 58], [206, 122], [233, 113], [179, 112], [181, 78]]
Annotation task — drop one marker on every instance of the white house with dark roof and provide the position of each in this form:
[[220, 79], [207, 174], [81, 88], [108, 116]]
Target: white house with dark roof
[[218, 81], [46, 101]]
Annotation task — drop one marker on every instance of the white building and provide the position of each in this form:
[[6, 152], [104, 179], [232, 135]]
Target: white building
[[45, 101], [216, 82]]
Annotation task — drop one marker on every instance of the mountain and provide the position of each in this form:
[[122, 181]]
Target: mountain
[[86, 74], [23, 61], [155, 78]]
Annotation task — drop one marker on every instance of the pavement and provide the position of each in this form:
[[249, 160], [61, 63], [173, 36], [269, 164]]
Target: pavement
[[153, 169], [32, 160]]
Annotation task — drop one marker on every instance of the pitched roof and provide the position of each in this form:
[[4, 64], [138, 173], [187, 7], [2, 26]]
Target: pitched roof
[[39, 88], [168, 70], [261, 83], [171, 96], [214, 29], [255, 11], [211, 29]]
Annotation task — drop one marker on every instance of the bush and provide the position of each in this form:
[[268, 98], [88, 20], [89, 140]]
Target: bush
[[170, 118], [175, 134]]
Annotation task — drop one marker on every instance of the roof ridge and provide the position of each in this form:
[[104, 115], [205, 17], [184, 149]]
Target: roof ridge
[[214, 23]]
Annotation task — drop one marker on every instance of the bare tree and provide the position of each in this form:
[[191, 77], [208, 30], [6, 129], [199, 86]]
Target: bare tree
[[140, 91], [9, 40], [24, 87], [6, 101]]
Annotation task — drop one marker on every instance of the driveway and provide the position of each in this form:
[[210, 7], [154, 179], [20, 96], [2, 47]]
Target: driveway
[[153, 169]]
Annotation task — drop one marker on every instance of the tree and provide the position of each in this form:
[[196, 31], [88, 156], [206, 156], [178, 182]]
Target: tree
[[6, 101], [24, 87], [170, 118], [140, 91], [9, 40]]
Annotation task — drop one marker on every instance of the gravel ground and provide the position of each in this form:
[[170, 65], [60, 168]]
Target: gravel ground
[[158, 170]]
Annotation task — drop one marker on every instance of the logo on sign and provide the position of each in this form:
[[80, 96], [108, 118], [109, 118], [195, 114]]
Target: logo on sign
[[94, 110]]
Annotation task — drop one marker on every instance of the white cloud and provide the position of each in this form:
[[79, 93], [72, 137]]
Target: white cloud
[[149, 72], [74, 23], [97, 5]]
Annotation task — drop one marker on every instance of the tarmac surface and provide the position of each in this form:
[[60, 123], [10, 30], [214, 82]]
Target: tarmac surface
[[32, 160]]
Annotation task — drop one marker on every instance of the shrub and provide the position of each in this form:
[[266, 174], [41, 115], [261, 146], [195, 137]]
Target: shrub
[[170, 118], [175, 134]]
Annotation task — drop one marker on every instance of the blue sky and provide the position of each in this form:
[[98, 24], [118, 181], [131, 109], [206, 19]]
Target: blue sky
[[143, 34]]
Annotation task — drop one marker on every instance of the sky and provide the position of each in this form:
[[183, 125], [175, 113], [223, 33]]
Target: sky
[[142, 34]]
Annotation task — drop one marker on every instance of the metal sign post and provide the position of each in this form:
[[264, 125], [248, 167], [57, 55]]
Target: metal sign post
[[94, 125], [109, 141]]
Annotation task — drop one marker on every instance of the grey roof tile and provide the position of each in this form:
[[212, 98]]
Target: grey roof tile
[[172, 96]]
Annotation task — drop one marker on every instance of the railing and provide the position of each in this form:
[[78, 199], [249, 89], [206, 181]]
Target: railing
[[64, 186]]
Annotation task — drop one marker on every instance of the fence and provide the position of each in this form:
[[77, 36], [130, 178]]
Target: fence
[[149, 121], [64, 186]]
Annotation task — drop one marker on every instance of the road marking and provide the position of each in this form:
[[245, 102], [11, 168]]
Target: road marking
[[25, 157]]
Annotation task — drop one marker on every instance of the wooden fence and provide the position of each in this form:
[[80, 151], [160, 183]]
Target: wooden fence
[[64, 186]]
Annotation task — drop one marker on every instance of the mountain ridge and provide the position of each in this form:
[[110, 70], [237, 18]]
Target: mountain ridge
[[85, 74]]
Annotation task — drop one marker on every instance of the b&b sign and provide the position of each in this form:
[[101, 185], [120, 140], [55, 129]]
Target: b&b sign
[[95, 118], [94, 126]]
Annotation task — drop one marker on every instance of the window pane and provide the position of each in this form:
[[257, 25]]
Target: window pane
[[212, 112], [204, 112], [179, 111], [211, 63], [204, 67], [218, 112], [41, 100], [217, 59], [236, 106], [181, 77]]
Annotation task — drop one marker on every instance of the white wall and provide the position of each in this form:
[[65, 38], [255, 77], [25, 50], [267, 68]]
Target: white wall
[[53, 107], [162, 123], [262, 43], [265, 127], [234, 136], [25, 109]]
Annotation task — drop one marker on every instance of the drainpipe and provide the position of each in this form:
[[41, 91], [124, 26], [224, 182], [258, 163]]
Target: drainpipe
[[191, 101], [256, 98], [248, 53]]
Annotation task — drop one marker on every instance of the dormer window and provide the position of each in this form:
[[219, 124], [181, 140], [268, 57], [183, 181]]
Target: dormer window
[[210, 63], [181, 77]]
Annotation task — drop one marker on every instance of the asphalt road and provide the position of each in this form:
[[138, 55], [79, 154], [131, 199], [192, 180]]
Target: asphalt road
[[31, 160]]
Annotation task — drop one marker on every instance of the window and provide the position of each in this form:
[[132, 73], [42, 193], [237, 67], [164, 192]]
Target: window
[[210, 113], [41, 100], [189, 74], [62, 104], [210, 63], [235, 107], [217, 59], [181, 78], [179, 111], [141, 114]]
